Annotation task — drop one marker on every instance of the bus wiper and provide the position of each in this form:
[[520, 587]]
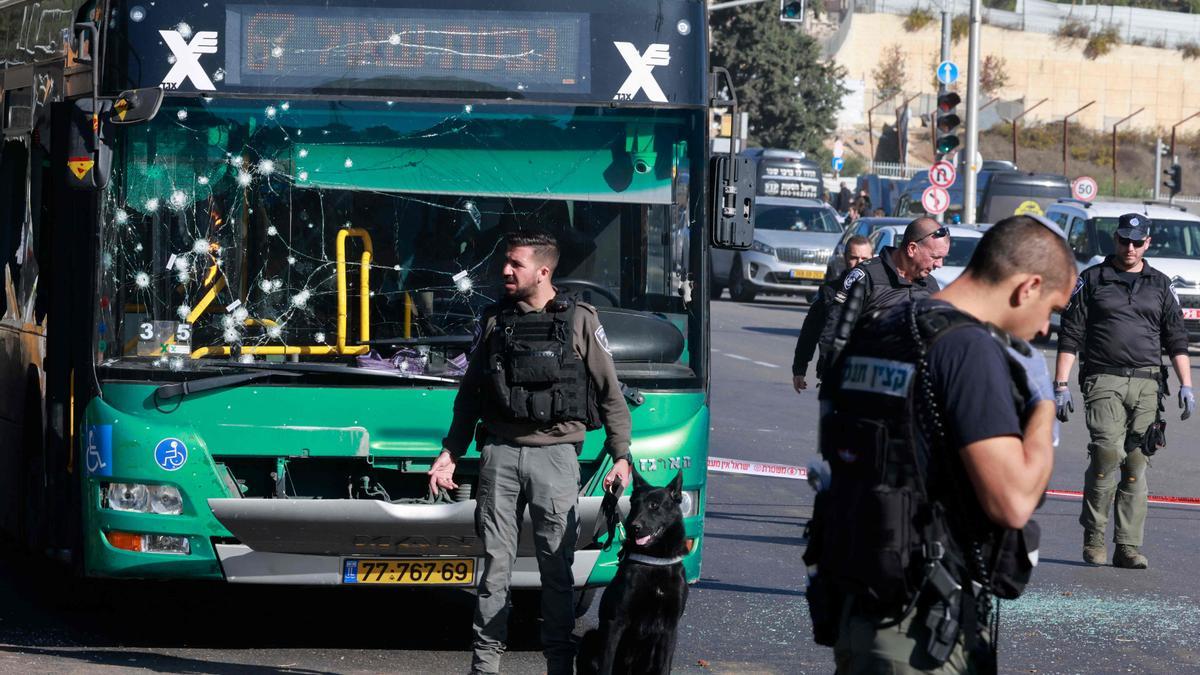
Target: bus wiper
[[186, 387], [339, 369]]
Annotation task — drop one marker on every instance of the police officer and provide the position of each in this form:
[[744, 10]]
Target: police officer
[[858, 250], [1123, 316], [899, 273], [937, 424], [540, 375]]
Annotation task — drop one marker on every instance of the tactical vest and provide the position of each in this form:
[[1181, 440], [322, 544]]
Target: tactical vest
[[898, 517], [535, 374]]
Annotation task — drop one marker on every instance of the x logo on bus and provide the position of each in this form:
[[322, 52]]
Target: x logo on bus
[[187, 58], [640, 66]]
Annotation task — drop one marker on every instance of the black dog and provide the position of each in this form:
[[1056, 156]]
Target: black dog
[[641, 608]]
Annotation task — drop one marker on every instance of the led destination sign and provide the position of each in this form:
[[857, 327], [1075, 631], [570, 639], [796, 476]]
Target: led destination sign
[[442, 50]]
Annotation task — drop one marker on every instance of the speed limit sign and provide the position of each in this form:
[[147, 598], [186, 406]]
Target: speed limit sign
[[1084, 188]]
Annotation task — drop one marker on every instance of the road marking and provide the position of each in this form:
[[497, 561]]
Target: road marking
[[765, 364], [739, 358]]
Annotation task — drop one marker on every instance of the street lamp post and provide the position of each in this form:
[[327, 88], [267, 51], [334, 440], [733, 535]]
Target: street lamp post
[[1065, 120], [1114, 146], [1014, 126]]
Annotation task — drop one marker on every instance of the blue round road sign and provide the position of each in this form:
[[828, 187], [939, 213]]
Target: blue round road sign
[[947, 72], [838, 163]]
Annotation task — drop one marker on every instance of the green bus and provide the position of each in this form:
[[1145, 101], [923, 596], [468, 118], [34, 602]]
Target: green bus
[[263, 233]]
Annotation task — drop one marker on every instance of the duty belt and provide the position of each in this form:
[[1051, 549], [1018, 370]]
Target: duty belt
[[1143, 372]]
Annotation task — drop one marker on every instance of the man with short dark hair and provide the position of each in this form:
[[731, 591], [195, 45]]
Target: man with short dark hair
[[938, 431], [858, 251], [534, 401], [1123, 316], [897, 274]]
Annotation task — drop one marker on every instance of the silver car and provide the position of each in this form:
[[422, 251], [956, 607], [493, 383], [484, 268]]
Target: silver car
[[793, 239]]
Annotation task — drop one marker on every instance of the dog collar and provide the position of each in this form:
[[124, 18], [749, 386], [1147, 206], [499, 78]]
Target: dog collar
[[651, 560]]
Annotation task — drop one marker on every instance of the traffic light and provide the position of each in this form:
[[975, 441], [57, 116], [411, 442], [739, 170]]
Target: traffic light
[[791, 11], [946, 123], [1174, 181]]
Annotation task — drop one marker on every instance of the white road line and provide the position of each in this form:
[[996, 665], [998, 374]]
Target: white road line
[[764, 364]]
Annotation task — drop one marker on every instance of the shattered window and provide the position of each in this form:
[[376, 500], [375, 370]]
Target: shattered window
[[369, 233]]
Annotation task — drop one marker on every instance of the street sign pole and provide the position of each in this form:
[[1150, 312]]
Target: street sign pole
[[972, 144]]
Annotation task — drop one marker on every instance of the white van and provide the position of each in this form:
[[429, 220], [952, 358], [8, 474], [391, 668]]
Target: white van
[[1174, 244]]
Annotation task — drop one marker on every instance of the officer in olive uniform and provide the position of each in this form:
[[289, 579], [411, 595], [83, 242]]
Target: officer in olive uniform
[[539, 377], [937, 425], [1123, 316]]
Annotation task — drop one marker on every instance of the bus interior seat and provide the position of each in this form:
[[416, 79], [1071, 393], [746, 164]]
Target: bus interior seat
[[638, 337]]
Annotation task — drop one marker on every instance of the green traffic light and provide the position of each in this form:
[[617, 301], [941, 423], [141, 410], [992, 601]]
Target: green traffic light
[[946, 144], [792, 9]]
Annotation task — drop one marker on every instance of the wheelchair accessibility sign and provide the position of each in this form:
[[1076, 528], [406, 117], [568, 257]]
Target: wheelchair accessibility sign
[[170, 454], [98, 453]]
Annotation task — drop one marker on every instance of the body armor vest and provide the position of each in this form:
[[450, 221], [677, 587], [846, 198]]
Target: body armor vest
[[898, 516], [535, 374]]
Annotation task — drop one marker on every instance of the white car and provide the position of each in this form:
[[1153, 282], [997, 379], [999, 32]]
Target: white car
[[963, 241], [1174, 244], [793, 239]]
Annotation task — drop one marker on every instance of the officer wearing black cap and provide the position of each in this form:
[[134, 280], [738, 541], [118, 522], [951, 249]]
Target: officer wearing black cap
[[1123, 315]]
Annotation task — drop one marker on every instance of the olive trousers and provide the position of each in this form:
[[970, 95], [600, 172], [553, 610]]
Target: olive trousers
[[1116, 406], [546, 479]]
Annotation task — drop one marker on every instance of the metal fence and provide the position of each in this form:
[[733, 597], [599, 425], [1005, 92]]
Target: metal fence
[[1152, 27], [894, 170]]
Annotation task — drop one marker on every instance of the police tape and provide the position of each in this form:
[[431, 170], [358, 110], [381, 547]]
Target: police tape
[[741, 467], [722, 465], [1161, 500]]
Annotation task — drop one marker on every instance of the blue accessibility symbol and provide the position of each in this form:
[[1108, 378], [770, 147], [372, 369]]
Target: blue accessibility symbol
[[947, 72], [98, 453], [171, 454], [350, 572]]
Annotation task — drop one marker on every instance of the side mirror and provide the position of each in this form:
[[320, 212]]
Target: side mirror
[[137, 105], [88, 160], [732, 209]]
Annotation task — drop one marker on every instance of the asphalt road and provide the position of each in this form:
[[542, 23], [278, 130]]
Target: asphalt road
[[747, 613]]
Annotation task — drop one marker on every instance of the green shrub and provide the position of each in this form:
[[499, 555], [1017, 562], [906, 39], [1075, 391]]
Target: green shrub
[[917, 19], [959, 27], [1102, 42], [1190, 50], [1073, 28], [1006, 5]]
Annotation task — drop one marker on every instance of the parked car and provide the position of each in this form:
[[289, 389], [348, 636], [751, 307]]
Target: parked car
[[862, 227], [793, 239], [963, 241], [1174, 244]]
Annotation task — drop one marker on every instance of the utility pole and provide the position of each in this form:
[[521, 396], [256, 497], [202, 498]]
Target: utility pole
[[1160, 149], [972, 145]]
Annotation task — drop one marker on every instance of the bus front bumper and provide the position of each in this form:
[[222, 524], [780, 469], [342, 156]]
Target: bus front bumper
[[243, 565]]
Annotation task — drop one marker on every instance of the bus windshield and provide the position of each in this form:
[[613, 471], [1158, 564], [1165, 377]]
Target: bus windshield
[[796, 218], [247, 230]]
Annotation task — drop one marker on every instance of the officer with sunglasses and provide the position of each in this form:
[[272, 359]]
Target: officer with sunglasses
[[1123, 315], [898, 274]]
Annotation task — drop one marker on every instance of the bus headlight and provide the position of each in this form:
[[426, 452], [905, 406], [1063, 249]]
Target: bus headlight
[[138, 498], [690, 503], [165, 499], [127, 497]]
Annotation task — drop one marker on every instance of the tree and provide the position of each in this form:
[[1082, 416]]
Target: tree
[[889, 75], [792, 96]]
